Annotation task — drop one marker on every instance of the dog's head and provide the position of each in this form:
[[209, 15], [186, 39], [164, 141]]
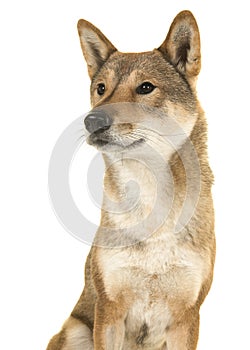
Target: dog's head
[[139, 97]]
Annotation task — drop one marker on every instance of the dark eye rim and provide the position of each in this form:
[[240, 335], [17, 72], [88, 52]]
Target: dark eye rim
[[101, 88], [145, 88]]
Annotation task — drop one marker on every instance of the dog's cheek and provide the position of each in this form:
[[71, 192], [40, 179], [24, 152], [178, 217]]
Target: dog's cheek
[[155, 99]]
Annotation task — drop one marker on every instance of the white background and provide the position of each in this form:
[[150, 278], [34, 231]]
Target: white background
[[44, 86]]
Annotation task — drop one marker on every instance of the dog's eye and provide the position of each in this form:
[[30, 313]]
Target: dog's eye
[[100, 89], [145, 88]]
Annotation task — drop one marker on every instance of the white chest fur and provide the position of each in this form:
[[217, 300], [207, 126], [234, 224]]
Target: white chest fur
[[155, 274]]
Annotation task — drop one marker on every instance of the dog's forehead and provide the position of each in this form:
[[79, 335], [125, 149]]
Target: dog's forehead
[[151, 62]]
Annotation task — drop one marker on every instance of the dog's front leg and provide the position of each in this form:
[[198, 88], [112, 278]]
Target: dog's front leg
[[109, 328], [184, 335]]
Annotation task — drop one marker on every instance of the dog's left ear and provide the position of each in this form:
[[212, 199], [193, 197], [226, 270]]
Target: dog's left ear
[[95, 46], [182, 46]]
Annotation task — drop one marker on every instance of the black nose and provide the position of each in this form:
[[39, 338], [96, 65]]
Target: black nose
[[97, 121]]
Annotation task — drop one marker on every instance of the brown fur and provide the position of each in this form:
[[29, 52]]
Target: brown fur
[[165, 276]]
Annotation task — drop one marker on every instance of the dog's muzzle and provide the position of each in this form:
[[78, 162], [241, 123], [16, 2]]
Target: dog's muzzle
[[97, 120]]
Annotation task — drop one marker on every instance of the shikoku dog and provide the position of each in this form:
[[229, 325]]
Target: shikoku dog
[[151, 264]]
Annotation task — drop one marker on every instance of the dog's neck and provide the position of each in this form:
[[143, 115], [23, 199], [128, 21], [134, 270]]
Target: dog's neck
[[148, 194], [138, 195]]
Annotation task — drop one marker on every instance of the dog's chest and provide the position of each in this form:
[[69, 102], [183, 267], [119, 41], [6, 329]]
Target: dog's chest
[[151, 276]]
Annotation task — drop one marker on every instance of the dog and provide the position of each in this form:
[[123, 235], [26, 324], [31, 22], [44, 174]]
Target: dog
[[151, 264]]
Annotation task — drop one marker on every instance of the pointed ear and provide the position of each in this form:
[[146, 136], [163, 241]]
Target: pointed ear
[[95, 46], [182, 46]]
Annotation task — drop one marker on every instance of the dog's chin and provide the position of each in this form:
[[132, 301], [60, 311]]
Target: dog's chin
[[109, 145]]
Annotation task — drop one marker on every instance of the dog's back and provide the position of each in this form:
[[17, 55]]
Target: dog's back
[[151, 265]]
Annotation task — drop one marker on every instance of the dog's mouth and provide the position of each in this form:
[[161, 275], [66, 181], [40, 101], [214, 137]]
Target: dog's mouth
[[105, 142]]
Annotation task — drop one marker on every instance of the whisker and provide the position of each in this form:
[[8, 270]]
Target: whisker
[[147, 138], [156, 132], [149, 135]]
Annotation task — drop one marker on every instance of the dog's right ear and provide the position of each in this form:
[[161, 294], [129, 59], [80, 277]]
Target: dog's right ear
[[96, 47]]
